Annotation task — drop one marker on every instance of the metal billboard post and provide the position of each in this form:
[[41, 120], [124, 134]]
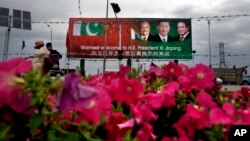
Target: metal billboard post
[[50, 32], [7, 40], [105, 39]]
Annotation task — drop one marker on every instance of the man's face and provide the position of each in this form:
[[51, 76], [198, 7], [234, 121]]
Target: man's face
[[182, 28], [49, 48], [163, 28], [145, 28]]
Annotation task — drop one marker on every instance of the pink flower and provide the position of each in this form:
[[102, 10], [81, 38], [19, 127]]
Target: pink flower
[[171, 88], [9, 89], [15, 66], [219, 116], [74, 95], [145, 133], [194, 118], [202, 76], [153, 100], [101, 108], [205, 100], [114, 132], [142, 112], [172, 70], [127, 91]]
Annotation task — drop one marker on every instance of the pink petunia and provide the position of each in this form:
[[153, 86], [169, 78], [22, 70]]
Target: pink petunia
[[170, 88], [205, 100], [114, 133], [74, 95], [202, 77], [127, 91], [9, 90], [172, 70], [219, 116]]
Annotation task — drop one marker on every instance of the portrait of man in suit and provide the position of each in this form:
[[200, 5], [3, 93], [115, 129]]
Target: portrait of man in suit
[[183, 30], [144, 28], [163, 28]]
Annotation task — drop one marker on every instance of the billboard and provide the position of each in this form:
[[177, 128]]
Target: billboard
[[138, 38]]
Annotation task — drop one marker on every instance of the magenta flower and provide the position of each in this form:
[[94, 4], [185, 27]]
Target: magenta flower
[[101, 106], [143, 112], [219, 116], [9, 90], [205, 100], [74, 95], [127, 91], [15, 66], [153, 100], [114, 133], [202, 76], [172, 70], [195, 118], [171, 88]]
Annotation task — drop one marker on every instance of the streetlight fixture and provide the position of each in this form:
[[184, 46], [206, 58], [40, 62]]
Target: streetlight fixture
[[50, 32], [116, 9]]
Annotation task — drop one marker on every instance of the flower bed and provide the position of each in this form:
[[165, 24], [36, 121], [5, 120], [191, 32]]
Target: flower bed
[[167, 103]]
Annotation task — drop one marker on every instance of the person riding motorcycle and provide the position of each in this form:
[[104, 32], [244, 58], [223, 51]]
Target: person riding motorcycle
[[39, 55]]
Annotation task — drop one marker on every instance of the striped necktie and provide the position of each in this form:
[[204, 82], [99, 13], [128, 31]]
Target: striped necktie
[[181, 38]]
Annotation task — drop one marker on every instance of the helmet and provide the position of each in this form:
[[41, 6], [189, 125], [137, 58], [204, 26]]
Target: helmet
[[39, 43]]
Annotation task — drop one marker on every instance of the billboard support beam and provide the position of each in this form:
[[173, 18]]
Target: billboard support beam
[[7, 40], [105, 38]]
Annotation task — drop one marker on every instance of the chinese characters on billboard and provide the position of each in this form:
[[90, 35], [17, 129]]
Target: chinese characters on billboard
[[147, 38]]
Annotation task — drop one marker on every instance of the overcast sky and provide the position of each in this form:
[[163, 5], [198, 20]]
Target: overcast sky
[[234, 31]]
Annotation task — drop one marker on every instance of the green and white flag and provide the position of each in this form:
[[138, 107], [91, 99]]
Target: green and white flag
[[88, 28]]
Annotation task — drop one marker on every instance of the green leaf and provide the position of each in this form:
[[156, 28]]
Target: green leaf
[[4, 130], [35, 121]]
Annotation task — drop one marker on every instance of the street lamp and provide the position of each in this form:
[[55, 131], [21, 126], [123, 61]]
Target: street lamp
[[50, 33], [209, 44], [116, 10]]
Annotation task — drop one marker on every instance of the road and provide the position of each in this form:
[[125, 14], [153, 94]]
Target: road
[[233, 87]]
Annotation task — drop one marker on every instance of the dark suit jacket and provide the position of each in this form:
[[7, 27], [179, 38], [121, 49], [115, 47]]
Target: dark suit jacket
[[157, 38], [150, 37], [187, 37]]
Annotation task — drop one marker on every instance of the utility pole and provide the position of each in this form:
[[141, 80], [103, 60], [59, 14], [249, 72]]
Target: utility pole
[[218, 18], [222, 55]]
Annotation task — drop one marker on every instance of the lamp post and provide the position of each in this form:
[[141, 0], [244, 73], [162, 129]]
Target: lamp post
[[116, 10], [50, 32], [208, 19]]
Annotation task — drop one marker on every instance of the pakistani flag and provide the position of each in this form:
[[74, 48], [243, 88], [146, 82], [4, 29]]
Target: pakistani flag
[[88, 28]]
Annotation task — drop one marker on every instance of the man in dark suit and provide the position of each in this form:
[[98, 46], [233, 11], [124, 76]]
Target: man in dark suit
[[163, 28], [183, 30], [144, 27], [54, 56]]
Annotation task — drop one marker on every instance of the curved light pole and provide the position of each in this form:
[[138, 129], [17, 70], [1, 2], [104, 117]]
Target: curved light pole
[[50, 32]]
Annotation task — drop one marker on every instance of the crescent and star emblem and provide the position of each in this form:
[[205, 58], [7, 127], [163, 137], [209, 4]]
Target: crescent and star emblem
[[89, 32]]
